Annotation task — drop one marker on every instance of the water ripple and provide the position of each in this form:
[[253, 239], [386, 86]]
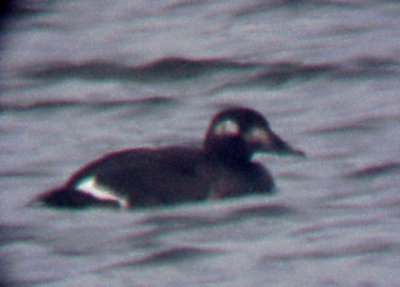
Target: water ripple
[[350, 250], [252, 74], [374, 170], [174, 68], [169, 255], [96, 104]]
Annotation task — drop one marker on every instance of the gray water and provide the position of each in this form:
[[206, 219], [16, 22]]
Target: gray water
[[83, 78]]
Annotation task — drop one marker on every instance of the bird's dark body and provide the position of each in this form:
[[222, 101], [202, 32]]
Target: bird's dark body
[[148, 177]]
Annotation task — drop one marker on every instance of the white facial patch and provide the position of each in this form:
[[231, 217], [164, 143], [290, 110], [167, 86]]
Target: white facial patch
[[90, 186], [227, 128], [258, 135]]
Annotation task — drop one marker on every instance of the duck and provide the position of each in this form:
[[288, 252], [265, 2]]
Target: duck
[[142, 177]]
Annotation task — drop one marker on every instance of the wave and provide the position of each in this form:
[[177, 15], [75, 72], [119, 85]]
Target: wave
[[252, 73]]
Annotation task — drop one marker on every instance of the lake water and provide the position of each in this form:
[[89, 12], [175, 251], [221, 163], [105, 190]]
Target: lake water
[[82, 78]]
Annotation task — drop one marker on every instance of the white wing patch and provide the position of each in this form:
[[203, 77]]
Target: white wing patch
[[90, 186]]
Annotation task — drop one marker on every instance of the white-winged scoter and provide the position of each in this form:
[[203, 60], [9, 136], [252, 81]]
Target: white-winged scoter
[[148, 177]]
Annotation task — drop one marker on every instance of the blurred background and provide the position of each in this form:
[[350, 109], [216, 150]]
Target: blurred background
[[79, 79]]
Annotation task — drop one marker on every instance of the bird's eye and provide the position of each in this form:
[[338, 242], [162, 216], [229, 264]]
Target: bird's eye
[[257, 135], [227, 128]]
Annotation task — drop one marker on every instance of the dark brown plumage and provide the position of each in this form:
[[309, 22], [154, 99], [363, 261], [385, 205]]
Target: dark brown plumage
[[147, 177]]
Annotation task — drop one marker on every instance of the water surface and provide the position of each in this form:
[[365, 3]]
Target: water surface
[[81, 78]]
